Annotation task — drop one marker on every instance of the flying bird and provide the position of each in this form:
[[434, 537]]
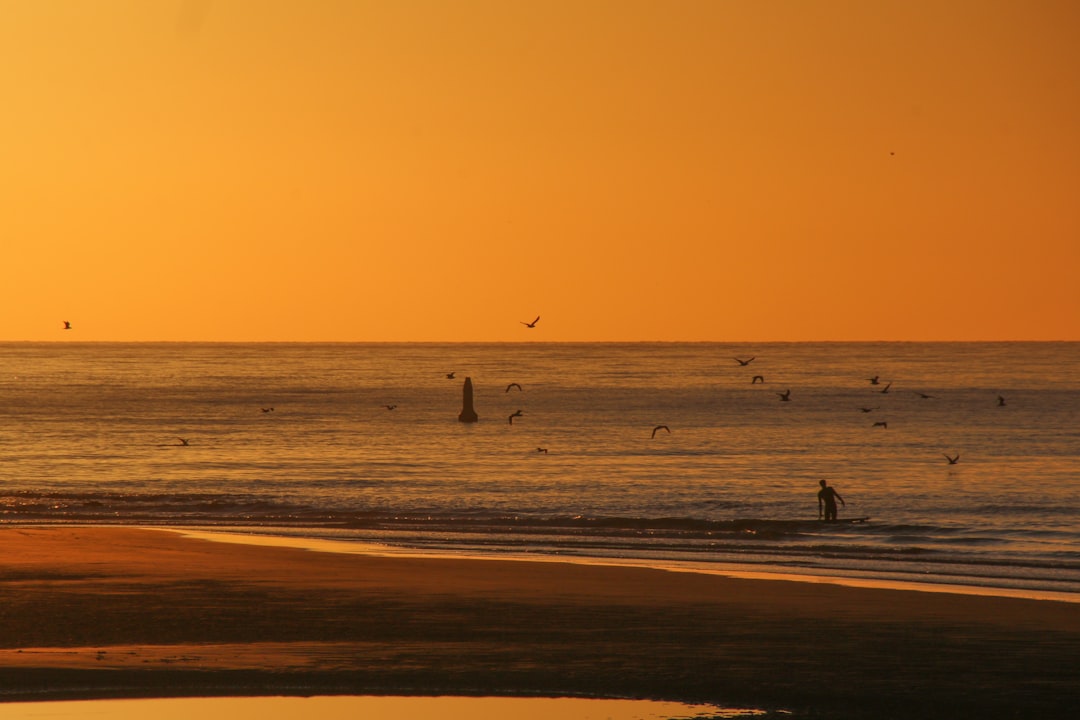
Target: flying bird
[[514, 415], [183, 442], [744, 363], [67, 325], [532, 324], [757, 379], [541, 450], [785, 396], [389, 407], [449, 376], [885, 390], [1001, 401], [267, 410], [952, 460], [881, 424], [923, 395], [874, 380], [866, 409], [512, 385], [660, 427]]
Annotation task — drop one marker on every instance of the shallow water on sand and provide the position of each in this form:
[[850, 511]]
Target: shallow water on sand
[[370, 708]]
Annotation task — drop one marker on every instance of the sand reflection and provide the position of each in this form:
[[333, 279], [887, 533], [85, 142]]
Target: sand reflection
[[370, 708]]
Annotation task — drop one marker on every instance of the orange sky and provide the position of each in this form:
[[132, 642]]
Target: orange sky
[[361, 170]]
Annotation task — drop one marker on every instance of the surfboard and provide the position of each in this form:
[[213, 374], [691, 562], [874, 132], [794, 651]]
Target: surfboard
[[788, 526]]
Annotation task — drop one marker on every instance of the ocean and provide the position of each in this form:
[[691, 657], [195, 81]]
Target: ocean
[[362, 443]]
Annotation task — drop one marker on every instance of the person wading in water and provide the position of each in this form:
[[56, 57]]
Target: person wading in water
[[826, 501]]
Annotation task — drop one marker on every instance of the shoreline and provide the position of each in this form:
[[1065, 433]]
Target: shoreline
[[94, 612], [726, 569]]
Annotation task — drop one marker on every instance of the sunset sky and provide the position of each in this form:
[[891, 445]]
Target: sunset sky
[[437, 170]]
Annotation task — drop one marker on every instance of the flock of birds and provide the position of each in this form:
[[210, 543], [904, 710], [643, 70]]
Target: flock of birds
[[784, 396], [184, 442], [511, 386], [756, 379], [516, 414]]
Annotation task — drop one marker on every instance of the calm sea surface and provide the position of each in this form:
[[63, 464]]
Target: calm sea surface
[[298, 439]]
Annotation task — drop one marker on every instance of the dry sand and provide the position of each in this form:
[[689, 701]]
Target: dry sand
[[117, 612]]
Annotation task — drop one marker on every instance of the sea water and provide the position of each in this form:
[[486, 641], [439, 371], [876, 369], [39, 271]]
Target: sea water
[[362, 442]]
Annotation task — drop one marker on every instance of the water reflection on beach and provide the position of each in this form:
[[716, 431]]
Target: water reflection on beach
[[371, 708]]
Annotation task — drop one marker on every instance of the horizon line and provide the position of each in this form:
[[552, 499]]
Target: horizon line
[[520, 342]]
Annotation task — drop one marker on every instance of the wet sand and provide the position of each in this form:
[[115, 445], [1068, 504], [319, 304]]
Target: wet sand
[[117, 612]]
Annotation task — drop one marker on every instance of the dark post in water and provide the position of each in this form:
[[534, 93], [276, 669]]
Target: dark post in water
[[467, 412]]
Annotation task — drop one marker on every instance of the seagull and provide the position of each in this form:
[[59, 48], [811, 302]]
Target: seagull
[[881, 424], [183, 442], [785, 396], [885, 391], [67, 325], [1001, 401], [757, 379], [389, 407], [514, 415], [874, 380], [660, 427], [952, 460], [512, 385], [450, 376], [532, 324], [541, 450], [744, 363], [924, 396], [866, 410]]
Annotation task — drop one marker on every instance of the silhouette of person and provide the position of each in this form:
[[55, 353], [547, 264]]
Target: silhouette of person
[[826, 499]]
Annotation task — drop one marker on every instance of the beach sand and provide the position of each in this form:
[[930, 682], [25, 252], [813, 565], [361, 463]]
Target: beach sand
[[116, 612]]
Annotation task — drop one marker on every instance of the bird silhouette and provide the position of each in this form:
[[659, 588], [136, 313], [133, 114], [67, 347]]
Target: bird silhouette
[[866, 409], [874, 380], [923, 395], [541, 450], [449, 376], [881, 424], [267, 410], [1001, 401], [952, 460], [67, 325], [885, 390], [183, 442], [660, 427], [512, 385], [532, 324], [785, 396], [514, 415], [389, 407], [744, 363], [757, 379]]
